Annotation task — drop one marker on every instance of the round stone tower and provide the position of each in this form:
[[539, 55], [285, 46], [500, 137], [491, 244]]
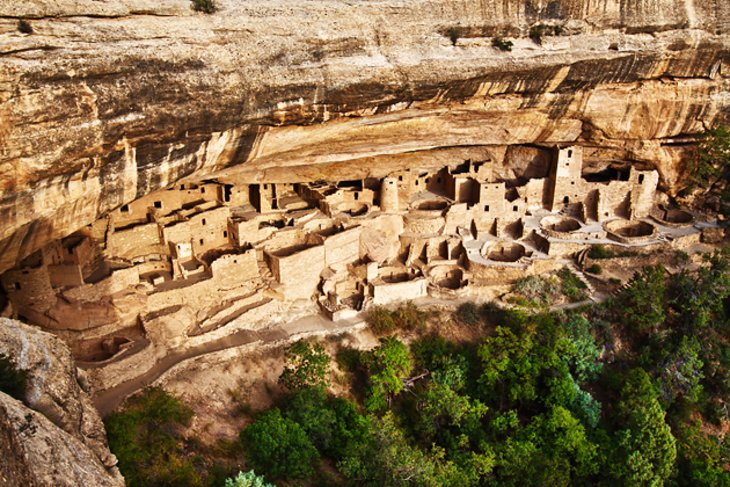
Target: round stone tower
[[389, 194]]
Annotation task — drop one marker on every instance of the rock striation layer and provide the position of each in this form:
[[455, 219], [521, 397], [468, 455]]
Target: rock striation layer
[[107, 101], [56, 437]]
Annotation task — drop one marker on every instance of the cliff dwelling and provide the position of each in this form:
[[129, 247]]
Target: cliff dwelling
[[203, 259]]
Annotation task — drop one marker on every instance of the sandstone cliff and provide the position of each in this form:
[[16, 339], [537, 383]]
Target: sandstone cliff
[[109, 100], [57, 438]]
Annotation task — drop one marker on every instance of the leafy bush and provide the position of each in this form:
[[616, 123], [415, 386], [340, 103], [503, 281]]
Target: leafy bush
[[468, 313], [24, 27], [12, 379], [306, 366], [248, 479], [537, 32], [408, 317], [573, 288], [502, 44], [147, 439], [453, 35], [595, 269], [538, 290], [405, 317], [599, 252], [380, 320], [205, 6], [279, 446]]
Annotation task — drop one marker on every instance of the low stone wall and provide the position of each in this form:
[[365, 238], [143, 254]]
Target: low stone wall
[[384, 293]]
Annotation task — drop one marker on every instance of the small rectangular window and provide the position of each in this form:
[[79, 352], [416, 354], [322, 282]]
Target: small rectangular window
[[641, 178], [203, 221], [17, 286], [486, 207], [158, 204], [357, 195], [570, 153], [201, 241], [514, 208], [124, 209], [225, 234], [400, 178], [202, 190]]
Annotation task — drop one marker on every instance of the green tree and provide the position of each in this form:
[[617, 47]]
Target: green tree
[[703, 459], [279, 447], [306, 366], [642, 302], [388, 364], [12, 379], [147, 439], [646, 450], [248, 479]]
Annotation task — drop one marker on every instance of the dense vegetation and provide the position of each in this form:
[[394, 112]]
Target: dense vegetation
[[711, 169], [12, 379], [630, 392]]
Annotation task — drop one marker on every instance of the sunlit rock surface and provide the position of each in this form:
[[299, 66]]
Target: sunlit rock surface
[[109, 100]]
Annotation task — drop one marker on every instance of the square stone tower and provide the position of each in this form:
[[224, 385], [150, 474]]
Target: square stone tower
[[566, 177]]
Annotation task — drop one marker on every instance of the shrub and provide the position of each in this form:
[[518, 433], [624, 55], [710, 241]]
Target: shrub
[[306, 366], [12, 379], [279, 446], [573, 288], [538, 290], [599, 252], [502, 44], [468, 313], [408, 317], [380, 320], [453, 35], [594, 269], [248, 479], [205, 6], [24, 27], [146, 437]]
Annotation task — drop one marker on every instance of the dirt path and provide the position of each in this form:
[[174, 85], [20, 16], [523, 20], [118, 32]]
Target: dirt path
[[108, 400]]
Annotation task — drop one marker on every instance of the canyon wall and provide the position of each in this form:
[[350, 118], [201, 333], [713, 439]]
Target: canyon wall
[[107, 101]]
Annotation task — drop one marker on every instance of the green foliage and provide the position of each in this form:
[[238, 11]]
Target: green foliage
[[703, 459], [682, 372], [388, 459], [147, 439], [306, 366], [454, 35], [248, 479], [599, 252], [406, 317], [537, 32], [502, 44], [573, 288], [710, 170], [642, 302], [594, 269], [388, 364], [12, 379], [332, 424], [468, 313], [645, 448], [279, 446], [205, 6], [24, 27], [380, 320], [584, 352], [538, 290]]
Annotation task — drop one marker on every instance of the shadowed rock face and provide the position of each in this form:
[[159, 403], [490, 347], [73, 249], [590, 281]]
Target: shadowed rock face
[[57, 437], [108, 101]]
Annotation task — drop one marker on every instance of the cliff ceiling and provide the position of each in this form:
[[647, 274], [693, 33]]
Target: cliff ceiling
[[108, 100]]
